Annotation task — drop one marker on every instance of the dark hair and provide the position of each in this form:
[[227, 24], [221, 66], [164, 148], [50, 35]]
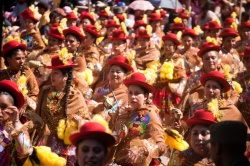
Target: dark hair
[[236, 149], [54, 14], [75, 36], [11, 98], [123, 68], [67, 71], [10, 54]]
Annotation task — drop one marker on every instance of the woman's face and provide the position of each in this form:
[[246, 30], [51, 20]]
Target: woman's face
[[169, 46], [103, 20], [118, 46], [16, 61], [85, 22], [57, 78], [71, 43], [54, 43], [54, 20], [116, 75], [89, 39], [228, 42], [246, 62], [136, 96], [90, 153], [155, 24], [5, 102], [110, 30], [187, 41], [200, 133], [213, 33], [71, 23], [210, 61], [29, 24], [143, 42], [245, 33], [212, 90]]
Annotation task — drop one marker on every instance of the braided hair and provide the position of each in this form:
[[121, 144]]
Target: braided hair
[[69, 72]]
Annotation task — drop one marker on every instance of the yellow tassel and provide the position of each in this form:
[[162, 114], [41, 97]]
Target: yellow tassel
[[237, 87], [61, 129], [158, 12], [102, 121], [186, 12], [178, 35], [63, 24], [124, 28], [197, 29], [107, 10], [226, 72], [234, 15], [34, 11], [48, 158], [145, 18], [131, 57], [218, 21], [75, 11], [64, 55], [116, 20], [149, 29], [125, 16], [92, 15], [98, 25], [211, 40], [175, 140], [234, 26], [177, 20], [213, 106]]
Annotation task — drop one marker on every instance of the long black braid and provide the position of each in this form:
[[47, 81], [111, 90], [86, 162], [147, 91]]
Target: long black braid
[[67, 71]]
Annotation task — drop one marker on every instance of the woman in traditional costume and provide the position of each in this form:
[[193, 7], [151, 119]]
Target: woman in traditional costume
[[15, 143], [62, 108], [31, 34], [171, 79], [113, 95], [103, 17], [192, 60], [198, 152], [18, 72], [145, 137], [244, 30], [243, 79], [86, 19], [228, 55], [92, 143]]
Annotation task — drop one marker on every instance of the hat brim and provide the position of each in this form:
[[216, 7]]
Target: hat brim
[[19, 46], [70, 31], [112, 25], [56, 36], [177, 28], [177, 42], [18, 96], [202, 51], [158, 19], [125, 38], [215, 28], [114, 62], [92, 32], [192, 121], [62, 66], [136, 26], [128, 82], [189, 34], [223, 82], [106, 138], [229, 34], [144, 37]]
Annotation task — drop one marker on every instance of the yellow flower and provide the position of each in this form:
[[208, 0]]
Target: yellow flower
[[64, 56], [177, 20], [22, 84], [213, 106]]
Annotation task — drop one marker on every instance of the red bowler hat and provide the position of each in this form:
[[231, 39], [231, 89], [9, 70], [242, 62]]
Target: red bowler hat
[[93, 130], [56, 63], [28, 14], [12, 88], [246, 53], [88, 16], [143, 34], [228, 20], [163, 13], [183, 16], [213, 25], [201, 117], [154, 17], [54, 32], [140, 80], [189, 32], [177, 26], [74, 30], [121, 61], [245, 25], [92, 29], [205, 27], [71, 16], [228, 32], [11, 45], [112, 23], [216, 76], [103, 13], [139, 23], [172, 37], [118, 35], [120, 17], [208, 46]]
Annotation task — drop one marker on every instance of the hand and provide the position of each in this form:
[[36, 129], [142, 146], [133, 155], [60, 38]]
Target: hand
[[13, 113], [136, 155]]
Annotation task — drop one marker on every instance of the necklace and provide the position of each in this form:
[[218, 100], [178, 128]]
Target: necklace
[[12, 77], [54, 102]]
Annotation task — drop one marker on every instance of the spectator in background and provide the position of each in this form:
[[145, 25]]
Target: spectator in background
[[43, 9]]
